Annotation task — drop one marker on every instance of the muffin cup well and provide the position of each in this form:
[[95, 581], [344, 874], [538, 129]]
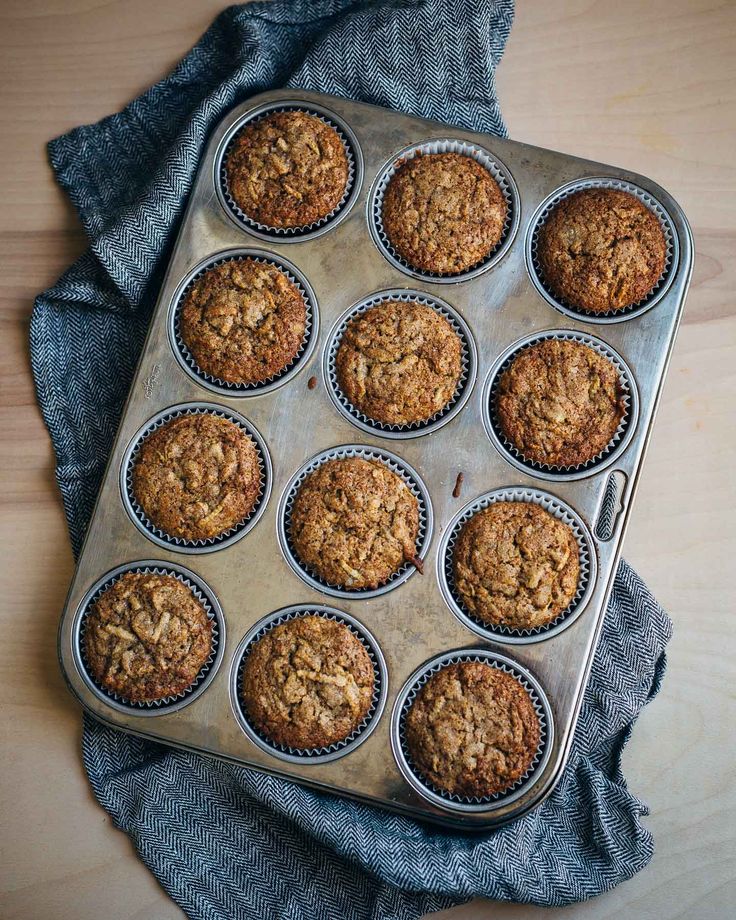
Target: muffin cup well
[[179, 544], [339, 748], [452, 801], [413, 481], [672, 252], [507, 634], [228, 388], [204, 595], [469, 361], [615, 446], [318, 227], [495, 167]]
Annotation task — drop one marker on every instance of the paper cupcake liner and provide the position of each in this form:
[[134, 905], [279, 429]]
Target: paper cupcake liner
[[498, 171], [453, 801], [338, 748], [609, 316], [604, 458], [179, 544], [212, 608], [469, 361], [396, 465], [508, 634], [228, 388], [289, 234]]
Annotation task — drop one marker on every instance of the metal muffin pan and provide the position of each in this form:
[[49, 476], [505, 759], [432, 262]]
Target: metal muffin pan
[[413, 624]]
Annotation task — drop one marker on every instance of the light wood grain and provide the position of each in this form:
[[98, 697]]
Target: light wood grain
[[649, 86]]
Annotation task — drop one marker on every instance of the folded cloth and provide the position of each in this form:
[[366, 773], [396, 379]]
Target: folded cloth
[[225, 841]]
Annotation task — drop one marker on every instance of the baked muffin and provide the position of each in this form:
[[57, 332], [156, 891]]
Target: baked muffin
[[443, 212], [308, 683], [472, 730], [243, 321], [399, 363], [147, 638], [516, 565], [559, 402], [354, 523], [601, 249], [197, 476], [288, 169]]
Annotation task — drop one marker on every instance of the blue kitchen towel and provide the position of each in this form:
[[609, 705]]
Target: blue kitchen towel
[[224, 841]]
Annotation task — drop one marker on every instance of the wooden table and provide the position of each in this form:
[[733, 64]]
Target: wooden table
[[650, 86]]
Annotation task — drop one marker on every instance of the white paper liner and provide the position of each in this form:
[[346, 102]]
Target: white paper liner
[[621, 435], [229, 387], [211, 543], [608, 316], [414, 429], [396, 465], [265, 230], [338, 748], [560, 511], [165, 703], [445, 145], [474, 803]]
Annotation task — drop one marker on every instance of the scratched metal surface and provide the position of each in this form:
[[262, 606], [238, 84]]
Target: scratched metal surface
[[412, 623]]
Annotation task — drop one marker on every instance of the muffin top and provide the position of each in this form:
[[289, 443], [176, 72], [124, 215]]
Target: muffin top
[[516, 565], [399, 363], [472, 730], [354, 523], [147, 637], [443, 212], [288, 169], [559, 402], [197, 476], [601, 249], [243, 321], [308, 683]]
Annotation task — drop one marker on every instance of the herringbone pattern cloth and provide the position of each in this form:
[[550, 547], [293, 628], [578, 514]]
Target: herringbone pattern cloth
[[226, 842]]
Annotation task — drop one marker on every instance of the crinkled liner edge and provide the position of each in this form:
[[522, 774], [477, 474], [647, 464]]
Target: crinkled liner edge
[[625, 426], [306, 229], [498, 171], [164, 704], [396, 465], [607, 316], [464, 384], [453, 800], [559, 510], [178, 543], [379, 685], [229, 387]]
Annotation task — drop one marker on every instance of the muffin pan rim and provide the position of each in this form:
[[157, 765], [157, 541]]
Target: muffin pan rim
[[209, 670], [319, 227], [503, 662], [522, 494], [513, 306], [396, 432], [380, 693], [228, 537]]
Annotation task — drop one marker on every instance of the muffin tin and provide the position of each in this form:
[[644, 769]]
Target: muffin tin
[[413, 624]]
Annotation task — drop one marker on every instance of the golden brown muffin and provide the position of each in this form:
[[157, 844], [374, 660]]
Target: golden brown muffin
[[516, 565], [147, 638], [288, 169], [354, 523], [601, 249], [399, 363], [559, 402], [243, 321], [443, 212], [308, 683], [472, 730], [197, 476]]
